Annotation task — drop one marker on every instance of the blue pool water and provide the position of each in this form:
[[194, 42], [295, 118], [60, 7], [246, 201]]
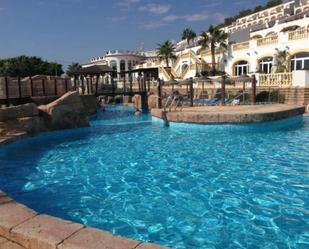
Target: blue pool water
[[184, 186]]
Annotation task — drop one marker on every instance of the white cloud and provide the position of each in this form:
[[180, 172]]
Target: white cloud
[[170, 18], [127, 3], [119, 18], [196, 17], [157, 9]]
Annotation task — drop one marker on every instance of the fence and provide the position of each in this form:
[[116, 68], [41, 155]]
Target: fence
[[17, 88]]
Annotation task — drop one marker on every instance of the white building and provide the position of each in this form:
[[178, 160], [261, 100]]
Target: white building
[[254, 44], [253, 47], [122, 61]]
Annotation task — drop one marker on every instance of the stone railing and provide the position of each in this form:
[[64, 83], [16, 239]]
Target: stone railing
[[139, 66], [163, 71], [241, 46], [267, 40], [276, 79], [175, 73], [299, 34], [147, 65], [184, 72]]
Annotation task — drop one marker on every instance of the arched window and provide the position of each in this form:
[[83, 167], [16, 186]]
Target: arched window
[[122, 65], [241, 67], [271, 34], [113, 65], [184, 67], [300, 61], [255, 37], [266, 65], [298, 11]]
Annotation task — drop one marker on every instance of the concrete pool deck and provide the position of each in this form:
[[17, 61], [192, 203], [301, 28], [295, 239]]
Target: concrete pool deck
[[229, 114]]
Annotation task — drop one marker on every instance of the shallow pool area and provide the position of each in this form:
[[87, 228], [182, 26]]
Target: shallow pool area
[[184, 186]]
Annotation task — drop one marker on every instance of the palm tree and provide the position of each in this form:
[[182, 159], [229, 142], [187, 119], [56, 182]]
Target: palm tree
[[165, 51], [73, 68], [281, 59], [188, 35], [213, 38]]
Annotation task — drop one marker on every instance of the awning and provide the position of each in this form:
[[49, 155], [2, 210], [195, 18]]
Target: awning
[[93, 70], [290, 28]]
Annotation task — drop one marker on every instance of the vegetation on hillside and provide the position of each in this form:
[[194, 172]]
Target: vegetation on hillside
[[23, 66], [246, 12]]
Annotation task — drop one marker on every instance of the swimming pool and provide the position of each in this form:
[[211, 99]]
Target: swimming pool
[[184, 186]]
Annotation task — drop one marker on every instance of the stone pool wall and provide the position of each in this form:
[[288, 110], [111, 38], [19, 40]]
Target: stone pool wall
[[69, 111], [23, 228], [229, 114]]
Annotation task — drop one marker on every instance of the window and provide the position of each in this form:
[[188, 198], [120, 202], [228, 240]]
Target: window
[[184, 67], [113, 65], [130, 65], [122, 65], [241, 68], [266, 65], [300, 61]]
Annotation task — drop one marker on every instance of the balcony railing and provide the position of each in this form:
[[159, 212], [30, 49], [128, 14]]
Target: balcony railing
[[241, 46], [267, 41], [299, 34], [276, 79]]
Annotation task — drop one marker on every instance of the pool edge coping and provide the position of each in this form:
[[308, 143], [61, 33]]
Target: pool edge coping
[[32, 230]]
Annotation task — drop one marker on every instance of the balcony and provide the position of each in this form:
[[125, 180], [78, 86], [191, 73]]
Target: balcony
[[267, 41], [299, 34], [275, 79], [240, 46]]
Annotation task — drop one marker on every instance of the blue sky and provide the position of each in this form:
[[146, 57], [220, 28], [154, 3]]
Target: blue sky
[[76, 30]]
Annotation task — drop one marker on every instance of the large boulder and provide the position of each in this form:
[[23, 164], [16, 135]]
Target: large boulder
[[21, 118], [27, 124], [66, 112], [21, 111], [90, 103]]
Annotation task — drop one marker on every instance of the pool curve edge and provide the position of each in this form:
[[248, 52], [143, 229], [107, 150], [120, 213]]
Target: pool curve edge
[[24, 228]]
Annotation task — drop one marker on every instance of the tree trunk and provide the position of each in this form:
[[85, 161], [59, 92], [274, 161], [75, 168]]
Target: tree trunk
[[213, 57], [167, 63]]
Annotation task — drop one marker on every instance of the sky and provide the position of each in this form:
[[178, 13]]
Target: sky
[[68, 31]]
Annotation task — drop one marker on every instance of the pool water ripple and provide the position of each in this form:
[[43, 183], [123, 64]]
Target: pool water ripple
[[184, 186]]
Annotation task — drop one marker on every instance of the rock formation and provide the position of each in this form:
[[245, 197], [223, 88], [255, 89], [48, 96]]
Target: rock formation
[[66, 112]]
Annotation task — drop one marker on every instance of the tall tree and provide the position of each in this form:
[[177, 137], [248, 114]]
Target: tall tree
[[166, 51], [188, 35], [214, 38], [73, 68], [23, 66]]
